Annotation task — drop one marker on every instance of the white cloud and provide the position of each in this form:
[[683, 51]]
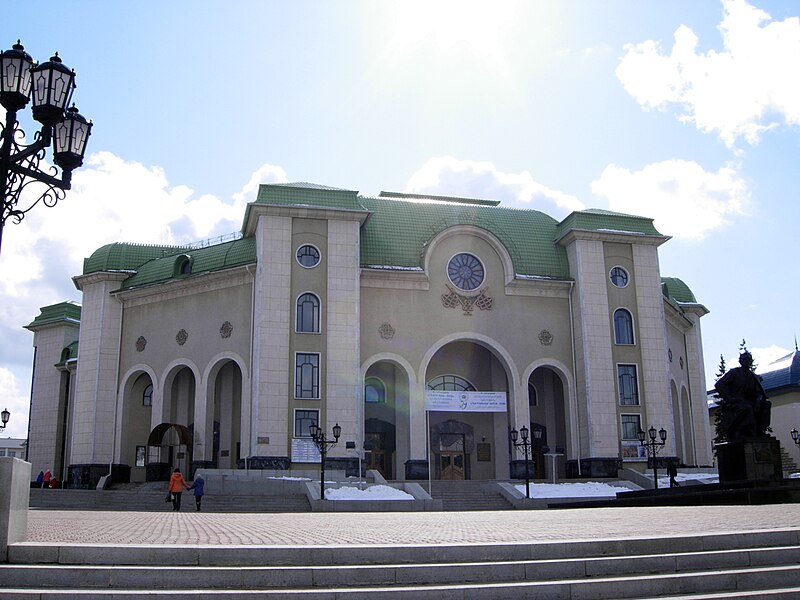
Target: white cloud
[[17, 404], [748, 87], [449, 176], [685, 200]]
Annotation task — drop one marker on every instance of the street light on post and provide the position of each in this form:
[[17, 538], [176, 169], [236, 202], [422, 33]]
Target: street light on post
[[795, 437], [526, 446], [322, 444], [5, 416], [653, 446], [49, 85]]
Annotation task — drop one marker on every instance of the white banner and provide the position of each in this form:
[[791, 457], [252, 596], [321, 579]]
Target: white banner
[[465, 401]]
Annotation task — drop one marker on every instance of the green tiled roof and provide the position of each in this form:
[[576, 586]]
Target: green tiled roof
[[398, 231], [603, 220], [125, 257], [211, 258], [63, 311], [674, 288], [306, 194]]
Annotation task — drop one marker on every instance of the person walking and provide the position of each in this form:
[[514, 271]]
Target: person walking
[[176, 486], [198, 485]]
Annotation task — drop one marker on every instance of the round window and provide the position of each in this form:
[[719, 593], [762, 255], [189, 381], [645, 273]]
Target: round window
[[465, 271], [619, 277], [308, 256]]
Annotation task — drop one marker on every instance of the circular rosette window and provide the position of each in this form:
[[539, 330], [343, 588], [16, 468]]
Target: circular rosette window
[[465, 271]]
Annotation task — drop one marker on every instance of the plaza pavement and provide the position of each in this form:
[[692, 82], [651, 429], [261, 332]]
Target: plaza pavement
[[325, 529]]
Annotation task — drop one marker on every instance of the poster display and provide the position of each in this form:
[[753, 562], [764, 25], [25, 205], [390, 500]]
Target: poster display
[[438, 401]]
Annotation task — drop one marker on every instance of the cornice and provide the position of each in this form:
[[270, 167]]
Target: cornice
[[100, 276], [623, 237], [257, 209], [178, 288]]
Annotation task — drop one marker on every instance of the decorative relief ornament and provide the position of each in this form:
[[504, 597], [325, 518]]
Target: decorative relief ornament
[[545, 337], [141, 343], [386, 331], [467, 303], [181, 337], [226, 330]]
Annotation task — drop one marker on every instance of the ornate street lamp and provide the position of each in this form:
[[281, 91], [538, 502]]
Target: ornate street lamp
[[795, 437], [5, 416], [49, 85], [322, 444], [526, 446], [653, 447]]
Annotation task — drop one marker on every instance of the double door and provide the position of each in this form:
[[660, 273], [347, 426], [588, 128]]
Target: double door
[[452, 460]]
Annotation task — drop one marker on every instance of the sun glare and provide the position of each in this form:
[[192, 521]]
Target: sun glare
[[452, 26]]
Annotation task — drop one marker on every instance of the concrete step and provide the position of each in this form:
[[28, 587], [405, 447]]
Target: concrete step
[[761, 564]]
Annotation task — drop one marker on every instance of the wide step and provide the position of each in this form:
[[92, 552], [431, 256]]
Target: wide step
[[737, 565]]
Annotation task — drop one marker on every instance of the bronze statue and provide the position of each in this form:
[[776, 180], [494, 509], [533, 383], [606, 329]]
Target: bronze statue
[[745, 410]]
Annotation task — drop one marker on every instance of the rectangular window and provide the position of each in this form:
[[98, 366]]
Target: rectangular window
[[2, 452], [303, 420], [631, 424], [141, 452], [306, 375], [628, 385]]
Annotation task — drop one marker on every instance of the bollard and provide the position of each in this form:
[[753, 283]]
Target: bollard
[[15, 490]]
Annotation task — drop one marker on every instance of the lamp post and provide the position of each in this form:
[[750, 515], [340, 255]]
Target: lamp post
[[527, 446], [653, 447], [322, 444], [49, 85], [795, 437], [5, 416]]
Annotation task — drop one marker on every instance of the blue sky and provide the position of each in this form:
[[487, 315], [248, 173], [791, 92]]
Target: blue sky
[[688, 112]]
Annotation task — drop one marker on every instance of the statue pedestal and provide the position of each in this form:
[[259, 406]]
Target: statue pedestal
[[750, 459]]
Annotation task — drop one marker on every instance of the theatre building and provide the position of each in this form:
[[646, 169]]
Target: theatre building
[[426, 327]]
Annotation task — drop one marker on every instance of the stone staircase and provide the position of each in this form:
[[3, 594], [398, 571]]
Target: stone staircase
[[468, 495], [149, 498], [742, 565]]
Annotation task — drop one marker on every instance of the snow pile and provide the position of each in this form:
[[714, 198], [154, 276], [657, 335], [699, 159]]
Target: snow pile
[[287, 478], [681, 477], [373, 492], [592, 489]]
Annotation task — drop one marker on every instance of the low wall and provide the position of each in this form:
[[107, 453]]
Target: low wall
[[15, 478], [238, 482]]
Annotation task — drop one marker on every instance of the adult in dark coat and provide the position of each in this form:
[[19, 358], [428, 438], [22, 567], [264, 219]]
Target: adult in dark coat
[[745, 410]]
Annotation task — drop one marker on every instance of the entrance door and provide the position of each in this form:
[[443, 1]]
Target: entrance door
[[375, 457], [451, 456]]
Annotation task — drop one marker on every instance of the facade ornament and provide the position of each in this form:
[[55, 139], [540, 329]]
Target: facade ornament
[[226, 330], [141, 343], [181, 337], [386, 331], [545, 337], [467, 303]]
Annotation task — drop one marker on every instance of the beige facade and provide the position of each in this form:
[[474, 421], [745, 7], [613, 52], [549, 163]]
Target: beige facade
[[327, 311]]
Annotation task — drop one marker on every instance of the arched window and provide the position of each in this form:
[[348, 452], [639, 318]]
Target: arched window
[[147, 395], [374, 391], [307, 314], [623, 326], [183, 265], [450, 383]]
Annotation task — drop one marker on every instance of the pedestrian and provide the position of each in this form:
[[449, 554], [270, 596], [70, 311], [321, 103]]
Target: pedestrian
[[176, 486], [46, 478], [198, 485], [40, 479], [672, 471]]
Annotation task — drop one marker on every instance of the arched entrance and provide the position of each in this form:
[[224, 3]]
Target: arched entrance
[[467, 445], [173, 444], [137, 407], [548, 414], [385, 397], [227, 421]]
